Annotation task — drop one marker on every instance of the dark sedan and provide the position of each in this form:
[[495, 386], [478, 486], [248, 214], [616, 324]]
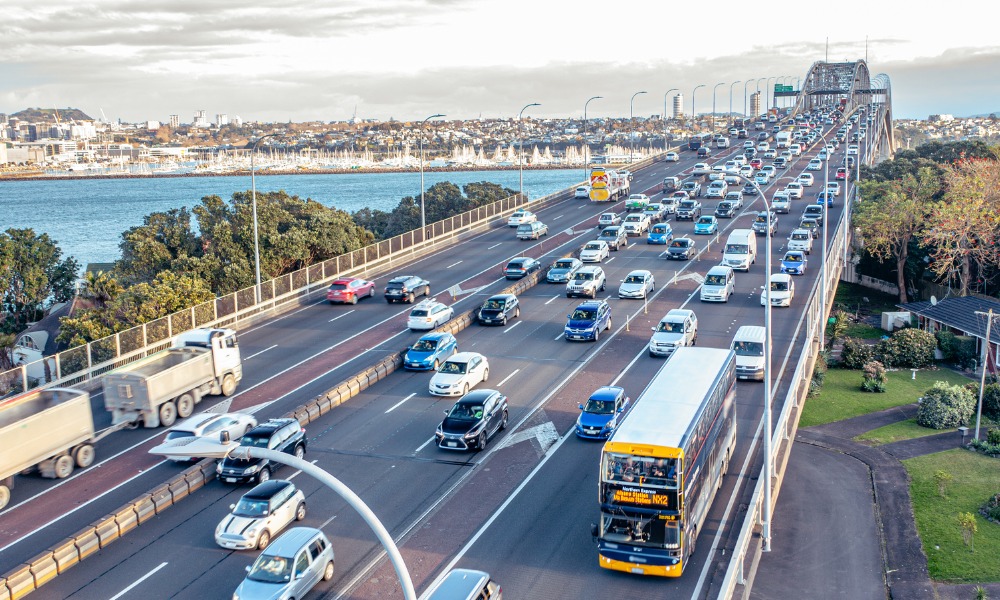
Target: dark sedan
[[474, 419], [521, 266], [498, 309], [681, 249]]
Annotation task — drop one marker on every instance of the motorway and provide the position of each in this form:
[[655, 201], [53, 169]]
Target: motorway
[[521, 510]]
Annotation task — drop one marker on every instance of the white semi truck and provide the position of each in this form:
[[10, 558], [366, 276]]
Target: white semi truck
[[608, 185], [51, 430], [163, 386]]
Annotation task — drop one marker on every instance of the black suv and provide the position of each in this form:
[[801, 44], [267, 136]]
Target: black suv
[[405, 288], [497, 309], [474, 419], [283, 435]]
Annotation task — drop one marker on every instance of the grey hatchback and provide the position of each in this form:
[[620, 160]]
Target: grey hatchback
[[291, 566]]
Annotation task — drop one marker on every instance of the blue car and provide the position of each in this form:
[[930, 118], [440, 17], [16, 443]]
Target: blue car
[[828, 196], [430, 351], [706, 225], [587, 321], [602, 413], [661, 233], [794, 262]]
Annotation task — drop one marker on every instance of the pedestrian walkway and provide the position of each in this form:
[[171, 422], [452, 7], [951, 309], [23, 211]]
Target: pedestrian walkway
[[904, 565]]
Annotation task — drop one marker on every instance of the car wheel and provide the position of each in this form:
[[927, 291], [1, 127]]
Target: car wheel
[[371, 292], [481, 441], [354, 298], [465, 390], [263, 475], [427, 290], [328, 571], [597, 335], [486, 375], [503, 421], [437, 364], [517, 312], [300, 452], [228, 385], [300, 511], [410, 298], [608, 327], [604, 285], [264, 539]]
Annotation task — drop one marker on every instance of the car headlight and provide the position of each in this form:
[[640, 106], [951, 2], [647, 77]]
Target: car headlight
[[474, 432], [251, 470], [218, 467]]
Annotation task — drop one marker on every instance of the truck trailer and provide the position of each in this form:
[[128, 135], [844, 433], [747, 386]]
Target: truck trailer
[[168, 384], [607, 185]]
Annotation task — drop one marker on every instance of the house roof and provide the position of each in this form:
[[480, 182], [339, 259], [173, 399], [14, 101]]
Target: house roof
[[960, 313]]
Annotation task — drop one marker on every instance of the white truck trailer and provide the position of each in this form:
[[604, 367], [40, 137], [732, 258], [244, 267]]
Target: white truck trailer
[[51, 430], [608, 185], [163, 386]]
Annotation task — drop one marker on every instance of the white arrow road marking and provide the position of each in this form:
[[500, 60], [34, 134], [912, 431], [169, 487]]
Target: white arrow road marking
[[545, 433]]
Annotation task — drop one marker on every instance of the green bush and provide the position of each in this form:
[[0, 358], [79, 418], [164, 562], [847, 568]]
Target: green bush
[[855, 354], [985, 447], [993, 436], [945, 406], [965, 351], [947, 344], [908, 348], [874, 378], [991, 401], [991, 510]]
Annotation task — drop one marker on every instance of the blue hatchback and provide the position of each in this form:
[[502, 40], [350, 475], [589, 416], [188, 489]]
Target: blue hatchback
[[587, 321], [430, 351], [661, 233], [602, 413], [706, 225], [794, 262]]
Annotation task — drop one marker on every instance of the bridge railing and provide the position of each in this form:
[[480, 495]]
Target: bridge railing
[[82, 363], [749, 544]]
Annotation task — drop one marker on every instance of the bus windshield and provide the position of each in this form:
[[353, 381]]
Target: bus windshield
[[645, 471]]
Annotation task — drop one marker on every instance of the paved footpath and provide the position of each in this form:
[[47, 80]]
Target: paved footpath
[[843, 525]]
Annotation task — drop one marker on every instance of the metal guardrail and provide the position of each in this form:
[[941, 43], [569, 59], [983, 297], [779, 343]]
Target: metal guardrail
[[745, 557]]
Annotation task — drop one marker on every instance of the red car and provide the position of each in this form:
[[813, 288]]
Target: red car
[[756, 163], [841, 173], [349, 289]]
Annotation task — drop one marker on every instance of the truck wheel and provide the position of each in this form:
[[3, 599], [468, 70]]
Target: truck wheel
[[4, 496], [185, 406], [228, 385], [168, 413], [84, 455], [63, 466]]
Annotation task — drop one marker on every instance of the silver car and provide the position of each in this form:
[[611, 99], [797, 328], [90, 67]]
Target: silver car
[[291, 566], [260, 514]]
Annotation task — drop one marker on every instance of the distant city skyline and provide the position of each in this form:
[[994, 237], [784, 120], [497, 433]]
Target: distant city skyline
[[301, 60]]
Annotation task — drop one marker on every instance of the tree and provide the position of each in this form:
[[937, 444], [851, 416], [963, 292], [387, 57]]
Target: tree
[[100, 287], [967, 523], [892, 214], [32, 275], [152, 247]]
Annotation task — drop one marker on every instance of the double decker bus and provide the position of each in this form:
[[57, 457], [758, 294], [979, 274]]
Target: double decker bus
[[697, 140], [663, 465]]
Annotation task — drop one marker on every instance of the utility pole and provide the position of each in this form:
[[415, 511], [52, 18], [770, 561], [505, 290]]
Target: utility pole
[[986, 363]]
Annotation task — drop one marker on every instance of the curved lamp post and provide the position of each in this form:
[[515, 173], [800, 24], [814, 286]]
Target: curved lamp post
[[713, 105], [253, 194], [745, 91], [666, 145], [631, 125], [767, 94], [764, 79], [731, 85], [423, 223], [586, 160], [694, 117], [520, 153]]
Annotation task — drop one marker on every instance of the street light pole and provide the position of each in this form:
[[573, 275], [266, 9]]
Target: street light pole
[[767, 92], [694, 117], [423, 222], [520, 153], [745, 91], [986, 363], [586, 151], [631, 125], [256, 239], [764, 79], [731, 85], [713, 105], [666, 146]]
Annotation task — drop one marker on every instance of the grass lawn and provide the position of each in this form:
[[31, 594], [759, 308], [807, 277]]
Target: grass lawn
[[856, 298], [903, 430], [975, 479], [842, 398], [863, 331]]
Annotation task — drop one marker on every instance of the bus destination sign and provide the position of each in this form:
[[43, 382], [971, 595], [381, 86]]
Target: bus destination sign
[[636, 496]]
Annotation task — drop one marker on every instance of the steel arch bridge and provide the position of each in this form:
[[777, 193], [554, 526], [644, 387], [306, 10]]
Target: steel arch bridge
[[833, 83]]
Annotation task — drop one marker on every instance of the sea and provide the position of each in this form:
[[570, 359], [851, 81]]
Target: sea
[[86, 217]]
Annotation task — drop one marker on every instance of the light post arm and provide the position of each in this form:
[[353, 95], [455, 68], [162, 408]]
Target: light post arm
[[631, 140], [423, 222], [586, 145], [253, 195], [520, 152], [666, 145], [714, 89]]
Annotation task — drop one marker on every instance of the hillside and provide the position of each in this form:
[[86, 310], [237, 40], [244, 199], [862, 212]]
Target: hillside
[[34, 115]]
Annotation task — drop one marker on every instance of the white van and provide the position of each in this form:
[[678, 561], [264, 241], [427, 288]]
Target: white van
[[748, 343], [719, 285], [465, 584], [741, 249]]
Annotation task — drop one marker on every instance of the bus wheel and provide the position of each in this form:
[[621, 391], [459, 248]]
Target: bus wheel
[[694, 537]]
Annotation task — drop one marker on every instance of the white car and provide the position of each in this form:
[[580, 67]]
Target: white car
[[852, 149], [608, 219], [782, 290], [637, 284], [595, 251], [260, 514], [208, 425], [801, 239], [582, 192], [428, 315], [806, 179], [833, 187], [636, 224], [794, 189], [701, 169], [521, 216], [671, 157], [815, 164], [459, 373]]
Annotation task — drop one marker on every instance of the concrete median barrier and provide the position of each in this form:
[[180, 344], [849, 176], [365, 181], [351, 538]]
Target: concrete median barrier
[[66, 554], [144, 508], [107, 530], [4, 590], [86, 541], [20, 582], [178, 487], [126, 519], [301, 415], [314, 411], [207, 467], [195, 478], [161, 497], [324, 403], [43, 568]]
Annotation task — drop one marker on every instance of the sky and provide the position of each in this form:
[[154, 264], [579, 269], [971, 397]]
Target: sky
[[314, 60]]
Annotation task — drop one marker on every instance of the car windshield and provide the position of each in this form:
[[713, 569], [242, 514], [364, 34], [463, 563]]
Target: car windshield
[[668, 327], [705, 221], [659, 229], [583, 314], [715, 280], [250, 508], [466, 412], [687, 203], [493, 305], [425, 345], [271, 569], [563, 264], [800, 236], [793, 258], [454, 368], [779, 286], [583, 276], [254, 441], [593, 247], [761, 218], [516, 266], [737, 249], [635, 279], [600, 407], [749, 348], [679, 244]]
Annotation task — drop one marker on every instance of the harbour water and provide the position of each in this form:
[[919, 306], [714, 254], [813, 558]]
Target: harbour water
[[86, 217]]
